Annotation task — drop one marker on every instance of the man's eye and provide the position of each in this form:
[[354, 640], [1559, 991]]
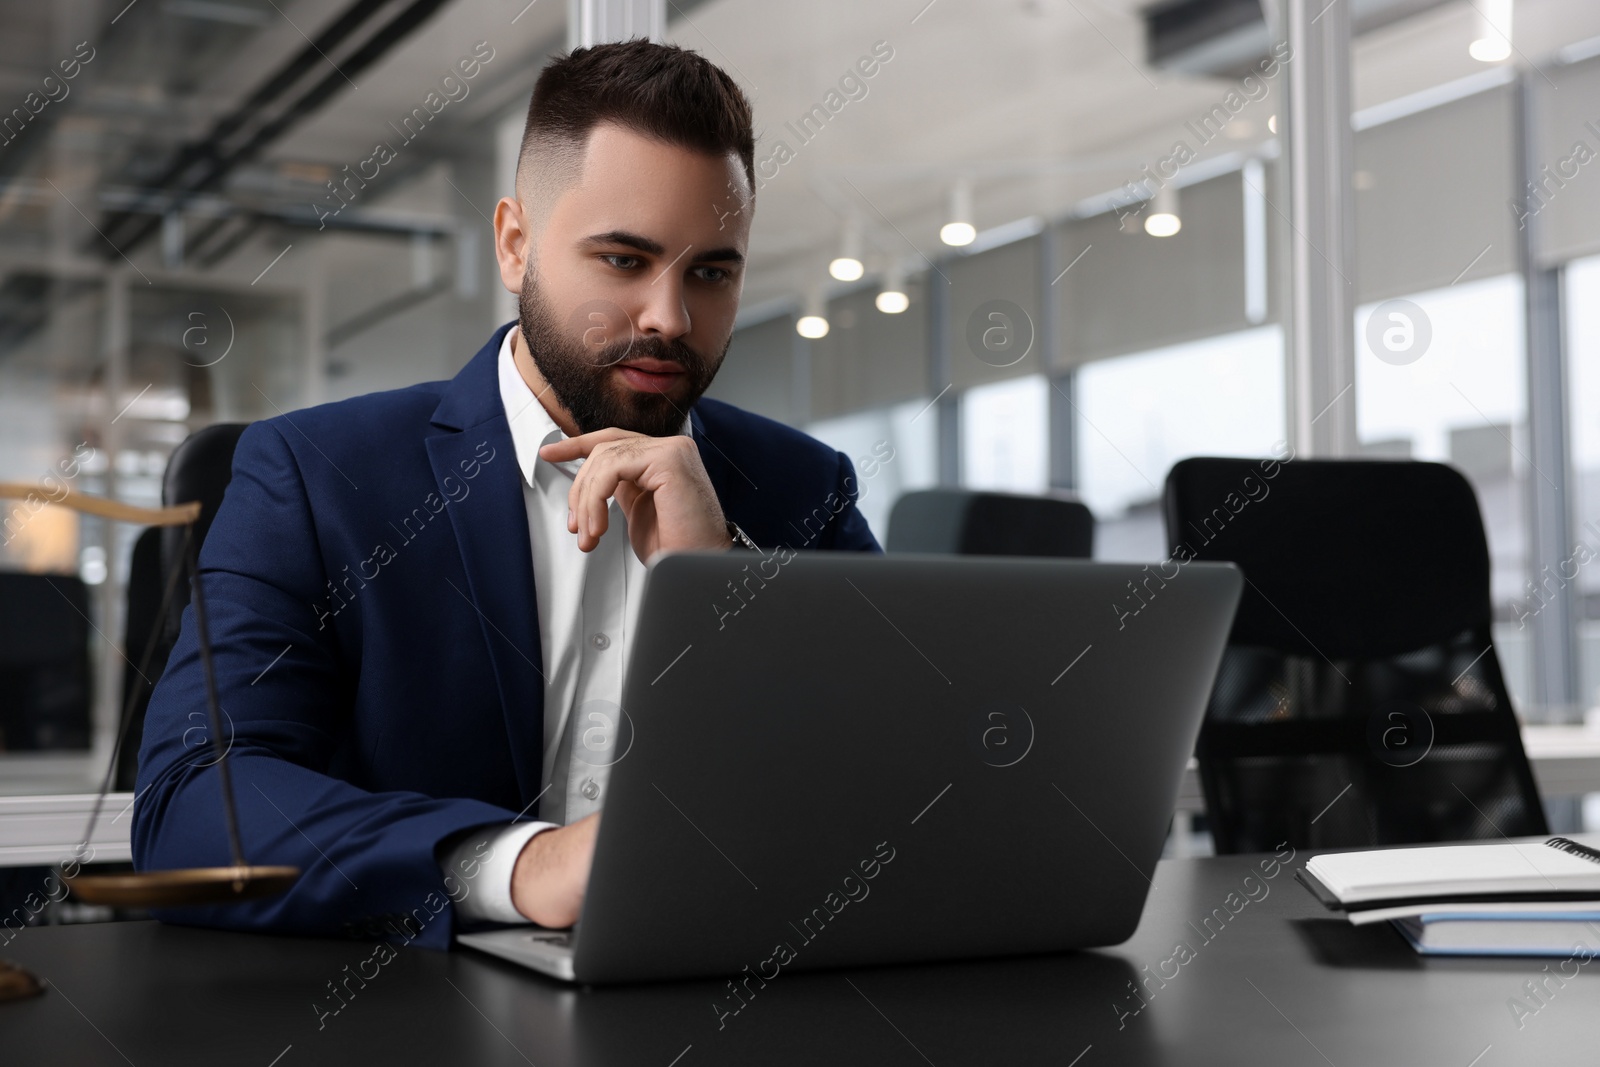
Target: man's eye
[[713, 274], [621, 262]]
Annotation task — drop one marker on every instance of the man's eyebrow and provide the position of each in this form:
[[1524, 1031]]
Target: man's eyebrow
[[720, 255], [629, 240]]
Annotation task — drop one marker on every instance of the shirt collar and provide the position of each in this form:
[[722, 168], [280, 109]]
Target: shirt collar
[[531, 425]]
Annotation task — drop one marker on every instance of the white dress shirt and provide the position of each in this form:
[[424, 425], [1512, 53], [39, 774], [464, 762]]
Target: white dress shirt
[[588, 603]]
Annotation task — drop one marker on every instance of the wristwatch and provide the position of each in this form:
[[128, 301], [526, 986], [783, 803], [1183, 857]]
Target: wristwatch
[[739, 538]]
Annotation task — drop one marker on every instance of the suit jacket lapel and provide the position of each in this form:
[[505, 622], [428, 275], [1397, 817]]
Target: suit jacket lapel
[[727, 480], [491, 530]]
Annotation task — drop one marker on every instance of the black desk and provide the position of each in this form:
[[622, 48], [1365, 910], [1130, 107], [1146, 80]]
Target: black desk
[[1279, 982]]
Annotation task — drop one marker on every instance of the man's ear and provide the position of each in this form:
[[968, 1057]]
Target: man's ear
[[512, 242]]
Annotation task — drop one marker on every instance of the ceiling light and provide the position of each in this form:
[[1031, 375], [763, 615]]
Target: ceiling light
[[1493, 42], [959, 230], [957, 233], [1272, 124], [892, 302], [848, 266], [892, 298], [1163, 219], [814, 323], [1162, 224], [1489, 50]]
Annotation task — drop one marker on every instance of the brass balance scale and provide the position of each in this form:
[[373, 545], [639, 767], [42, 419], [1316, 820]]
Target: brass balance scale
[[180, 887]]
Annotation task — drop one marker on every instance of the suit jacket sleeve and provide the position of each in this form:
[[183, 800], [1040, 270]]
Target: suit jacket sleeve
[[285, 685]]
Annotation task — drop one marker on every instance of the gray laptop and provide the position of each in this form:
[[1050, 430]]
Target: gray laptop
[[838, 759]]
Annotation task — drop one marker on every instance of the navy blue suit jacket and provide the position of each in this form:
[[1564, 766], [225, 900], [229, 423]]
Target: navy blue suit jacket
[[369, 580]]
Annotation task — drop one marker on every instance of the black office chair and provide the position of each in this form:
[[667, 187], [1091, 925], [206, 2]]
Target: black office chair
[[198, 469], [972, 523], [1360, 701], [141, 620], [44, 662]]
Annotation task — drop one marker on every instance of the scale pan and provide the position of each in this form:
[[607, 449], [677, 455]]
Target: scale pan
[[183, 887]]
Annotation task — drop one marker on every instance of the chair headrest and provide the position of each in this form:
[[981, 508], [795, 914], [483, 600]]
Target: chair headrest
[[199, 469], [1344, 558], [975, 523]]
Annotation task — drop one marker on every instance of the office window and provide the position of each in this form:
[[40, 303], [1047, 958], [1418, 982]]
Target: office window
[[1440, 376], [893, 449], [1005, 439], [1582, 299], [1138, 415]]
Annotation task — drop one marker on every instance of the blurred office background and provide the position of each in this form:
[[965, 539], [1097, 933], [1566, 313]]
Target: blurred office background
[[199, 222]]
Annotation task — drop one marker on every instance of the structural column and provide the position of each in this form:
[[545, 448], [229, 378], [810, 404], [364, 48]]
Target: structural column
[[1554, 624], [118, 331], [1316, 136], [947, 402], [591, 22]]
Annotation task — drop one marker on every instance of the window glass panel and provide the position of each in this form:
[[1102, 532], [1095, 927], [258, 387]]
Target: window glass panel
[[1440, 376], [1005, 436], [1582, 300], [1138, 415], [893, 450]]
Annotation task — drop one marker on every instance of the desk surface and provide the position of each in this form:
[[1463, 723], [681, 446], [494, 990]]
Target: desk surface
[[1274, 980]]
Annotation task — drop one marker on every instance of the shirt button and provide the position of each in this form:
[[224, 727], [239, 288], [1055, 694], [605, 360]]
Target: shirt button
[[590, 789], [600, 641]]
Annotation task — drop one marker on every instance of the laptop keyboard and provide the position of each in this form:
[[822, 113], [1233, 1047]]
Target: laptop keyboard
[[558, 938]]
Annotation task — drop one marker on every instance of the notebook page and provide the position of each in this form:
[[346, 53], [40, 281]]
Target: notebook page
[[1411, 872]]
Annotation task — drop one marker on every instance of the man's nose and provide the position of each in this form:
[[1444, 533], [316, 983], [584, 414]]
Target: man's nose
[[662, 312]]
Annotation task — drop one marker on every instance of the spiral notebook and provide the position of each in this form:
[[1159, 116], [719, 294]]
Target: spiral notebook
[[1514, 899], [1557, 869]]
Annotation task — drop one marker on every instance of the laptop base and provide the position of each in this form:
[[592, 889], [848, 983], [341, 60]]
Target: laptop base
[[546, 951]]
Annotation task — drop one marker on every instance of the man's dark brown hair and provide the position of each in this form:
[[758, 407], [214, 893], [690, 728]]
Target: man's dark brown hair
[[657, 90]]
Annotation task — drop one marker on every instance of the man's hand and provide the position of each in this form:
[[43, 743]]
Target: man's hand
[[659, 481], [552, 873]]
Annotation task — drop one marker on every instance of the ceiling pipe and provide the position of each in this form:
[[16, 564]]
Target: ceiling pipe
[[218, 166], [268, 91]]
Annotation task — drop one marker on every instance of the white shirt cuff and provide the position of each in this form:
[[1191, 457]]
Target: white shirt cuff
[[481, 864]]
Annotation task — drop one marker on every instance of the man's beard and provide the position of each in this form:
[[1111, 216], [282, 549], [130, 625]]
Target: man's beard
[[582, 377]]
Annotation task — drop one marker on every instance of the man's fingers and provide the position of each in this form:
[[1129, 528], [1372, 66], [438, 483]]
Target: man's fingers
[[589, 498], [589, 512], [625, 494], [597, 507], [583, 444], [686, 511]]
